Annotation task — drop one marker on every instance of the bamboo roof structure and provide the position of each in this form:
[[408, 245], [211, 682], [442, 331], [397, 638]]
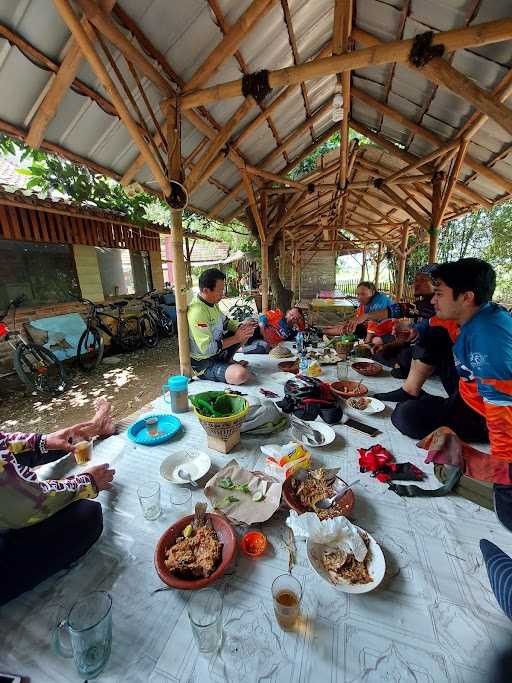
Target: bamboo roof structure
[[440, 134]]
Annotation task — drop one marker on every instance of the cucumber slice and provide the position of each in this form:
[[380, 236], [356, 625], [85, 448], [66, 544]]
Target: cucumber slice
[[258, 497]]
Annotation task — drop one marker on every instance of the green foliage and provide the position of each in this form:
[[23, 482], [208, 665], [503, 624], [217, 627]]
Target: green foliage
[[309, 163]]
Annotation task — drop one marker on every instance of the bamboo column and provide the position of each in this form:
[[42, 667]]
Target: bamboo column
[[264, 276], [294, 252], [437, 186], [403, 260], [377, 265], [363, 266], [178, 261]]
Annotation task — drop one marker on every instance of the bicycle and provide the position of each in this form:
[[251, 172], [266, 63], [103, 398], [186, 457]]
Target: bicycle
[[91, 345], [36, 366], [151, 306], [242, 311]]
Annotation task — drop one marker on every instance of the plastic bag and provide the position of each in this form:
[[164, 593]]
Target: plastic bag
[[283, 461]]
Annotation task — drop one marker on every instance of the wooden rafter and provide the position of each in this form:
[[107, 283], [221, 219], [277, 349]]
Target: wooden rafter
[[253, 204], [434, 139], [99, 69], [396, 51], [452, 179], [57, 87], [296, 59], [399, 201], [225, 27], [198, 174]]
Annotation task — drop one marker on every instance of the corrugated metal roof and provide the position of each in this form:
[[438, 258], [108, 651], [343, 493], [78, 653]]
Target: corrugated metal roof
[[185, 33]]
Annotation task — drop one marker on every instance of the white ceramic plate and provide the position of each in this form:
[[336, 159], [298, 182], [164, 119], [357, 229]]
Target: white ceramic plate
[[376, 567], [320, 426], [375, 406], [196, 463], [281, 377]]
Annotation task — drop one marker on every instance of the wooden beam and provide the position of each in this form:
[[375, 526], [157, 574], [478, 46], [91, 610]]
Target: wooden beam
[[403, 260], [70, 18], [265, 287], [420, 162], [291, 138], [229, 43], [106, 26], [452, 179], [410, 159], [198, 175], [59, 85], [377, 264], [253, 205], [442, 73], [342, 29], [434, 139], [296, 60], [396, 51], [400, 202]]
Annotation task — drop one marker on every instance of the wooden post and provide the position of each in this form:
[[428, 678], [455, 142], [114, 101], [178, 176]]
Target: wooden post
[[178, 260], [403, 260], [437, 186], [363, 267], [295, 253], [264, 276], [377, 265]]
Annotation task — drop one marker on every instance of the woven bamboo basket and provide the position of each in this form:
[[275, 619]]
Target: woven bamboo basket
[[222, 427]]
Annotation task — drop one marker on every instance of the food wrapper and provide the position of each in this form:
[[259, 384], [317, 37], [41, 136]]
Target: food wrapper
[[245, 510], [283, 461], [336, 533]]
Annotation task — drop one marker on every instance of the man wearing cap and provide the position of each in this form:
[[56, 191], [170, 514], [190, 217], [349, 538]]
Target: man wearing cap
[[481, 409]]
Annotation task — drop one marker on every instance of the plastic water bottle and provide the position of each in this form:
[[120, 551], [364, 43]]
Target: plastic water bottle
[[300, 343], [303, 364]]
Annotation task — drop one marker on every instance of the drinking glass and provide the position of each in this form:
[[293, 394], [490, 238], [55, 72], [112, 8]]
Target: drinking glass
[[88, 627], [180, 497], [287, 594], [205, 615], [342, 370], [149, 499]]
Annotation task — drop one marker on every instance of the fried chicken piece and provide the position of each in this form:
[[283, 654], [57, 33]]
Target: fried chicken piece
[[198, 555]]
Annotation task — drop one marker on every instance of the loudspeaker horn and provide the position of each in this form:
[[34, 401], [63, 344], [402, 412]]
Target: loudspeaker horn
[[178, 199]]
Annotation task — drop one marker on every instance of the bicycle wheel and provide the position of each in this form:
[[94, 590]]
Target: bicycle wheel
[[166, 326], [129, 335], [39, 369], [90, 349], [148, 330]]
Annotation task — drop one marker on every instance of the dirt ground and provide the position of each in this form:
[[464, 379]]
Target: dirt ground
[[128, 380]]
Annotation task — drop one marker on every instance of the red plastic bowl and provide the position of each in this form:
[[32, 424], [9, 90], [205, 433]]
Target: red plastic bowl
[[226, 536]]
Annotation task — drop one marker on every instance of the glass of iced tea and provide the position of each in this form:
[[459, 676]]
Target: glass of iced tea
[[83, 452], [152, 425], [287, 594]]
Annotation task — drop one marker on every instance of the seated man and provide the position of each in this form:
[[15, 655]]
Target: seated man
[[370, 300], [398, 352], [483, 359], [276, 328], [214, 338], [47, 525]]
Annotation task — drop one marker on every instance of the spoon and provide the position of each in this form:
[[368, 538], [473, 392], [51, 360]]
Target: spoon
[[327, 503], [183, 474]]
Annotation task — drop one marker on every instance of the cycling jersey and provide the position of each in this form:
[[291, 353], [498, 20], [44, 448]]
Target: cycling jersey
[[483, 358], [207, 327], [378, 302]]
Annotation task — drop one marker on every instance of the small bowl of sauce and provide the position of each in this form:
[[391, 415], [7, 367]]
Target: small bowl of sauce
[[253, 544]]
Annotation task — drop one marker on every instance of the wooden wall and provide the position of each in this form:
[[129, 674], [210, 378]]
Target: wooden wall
[[40, 225]]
